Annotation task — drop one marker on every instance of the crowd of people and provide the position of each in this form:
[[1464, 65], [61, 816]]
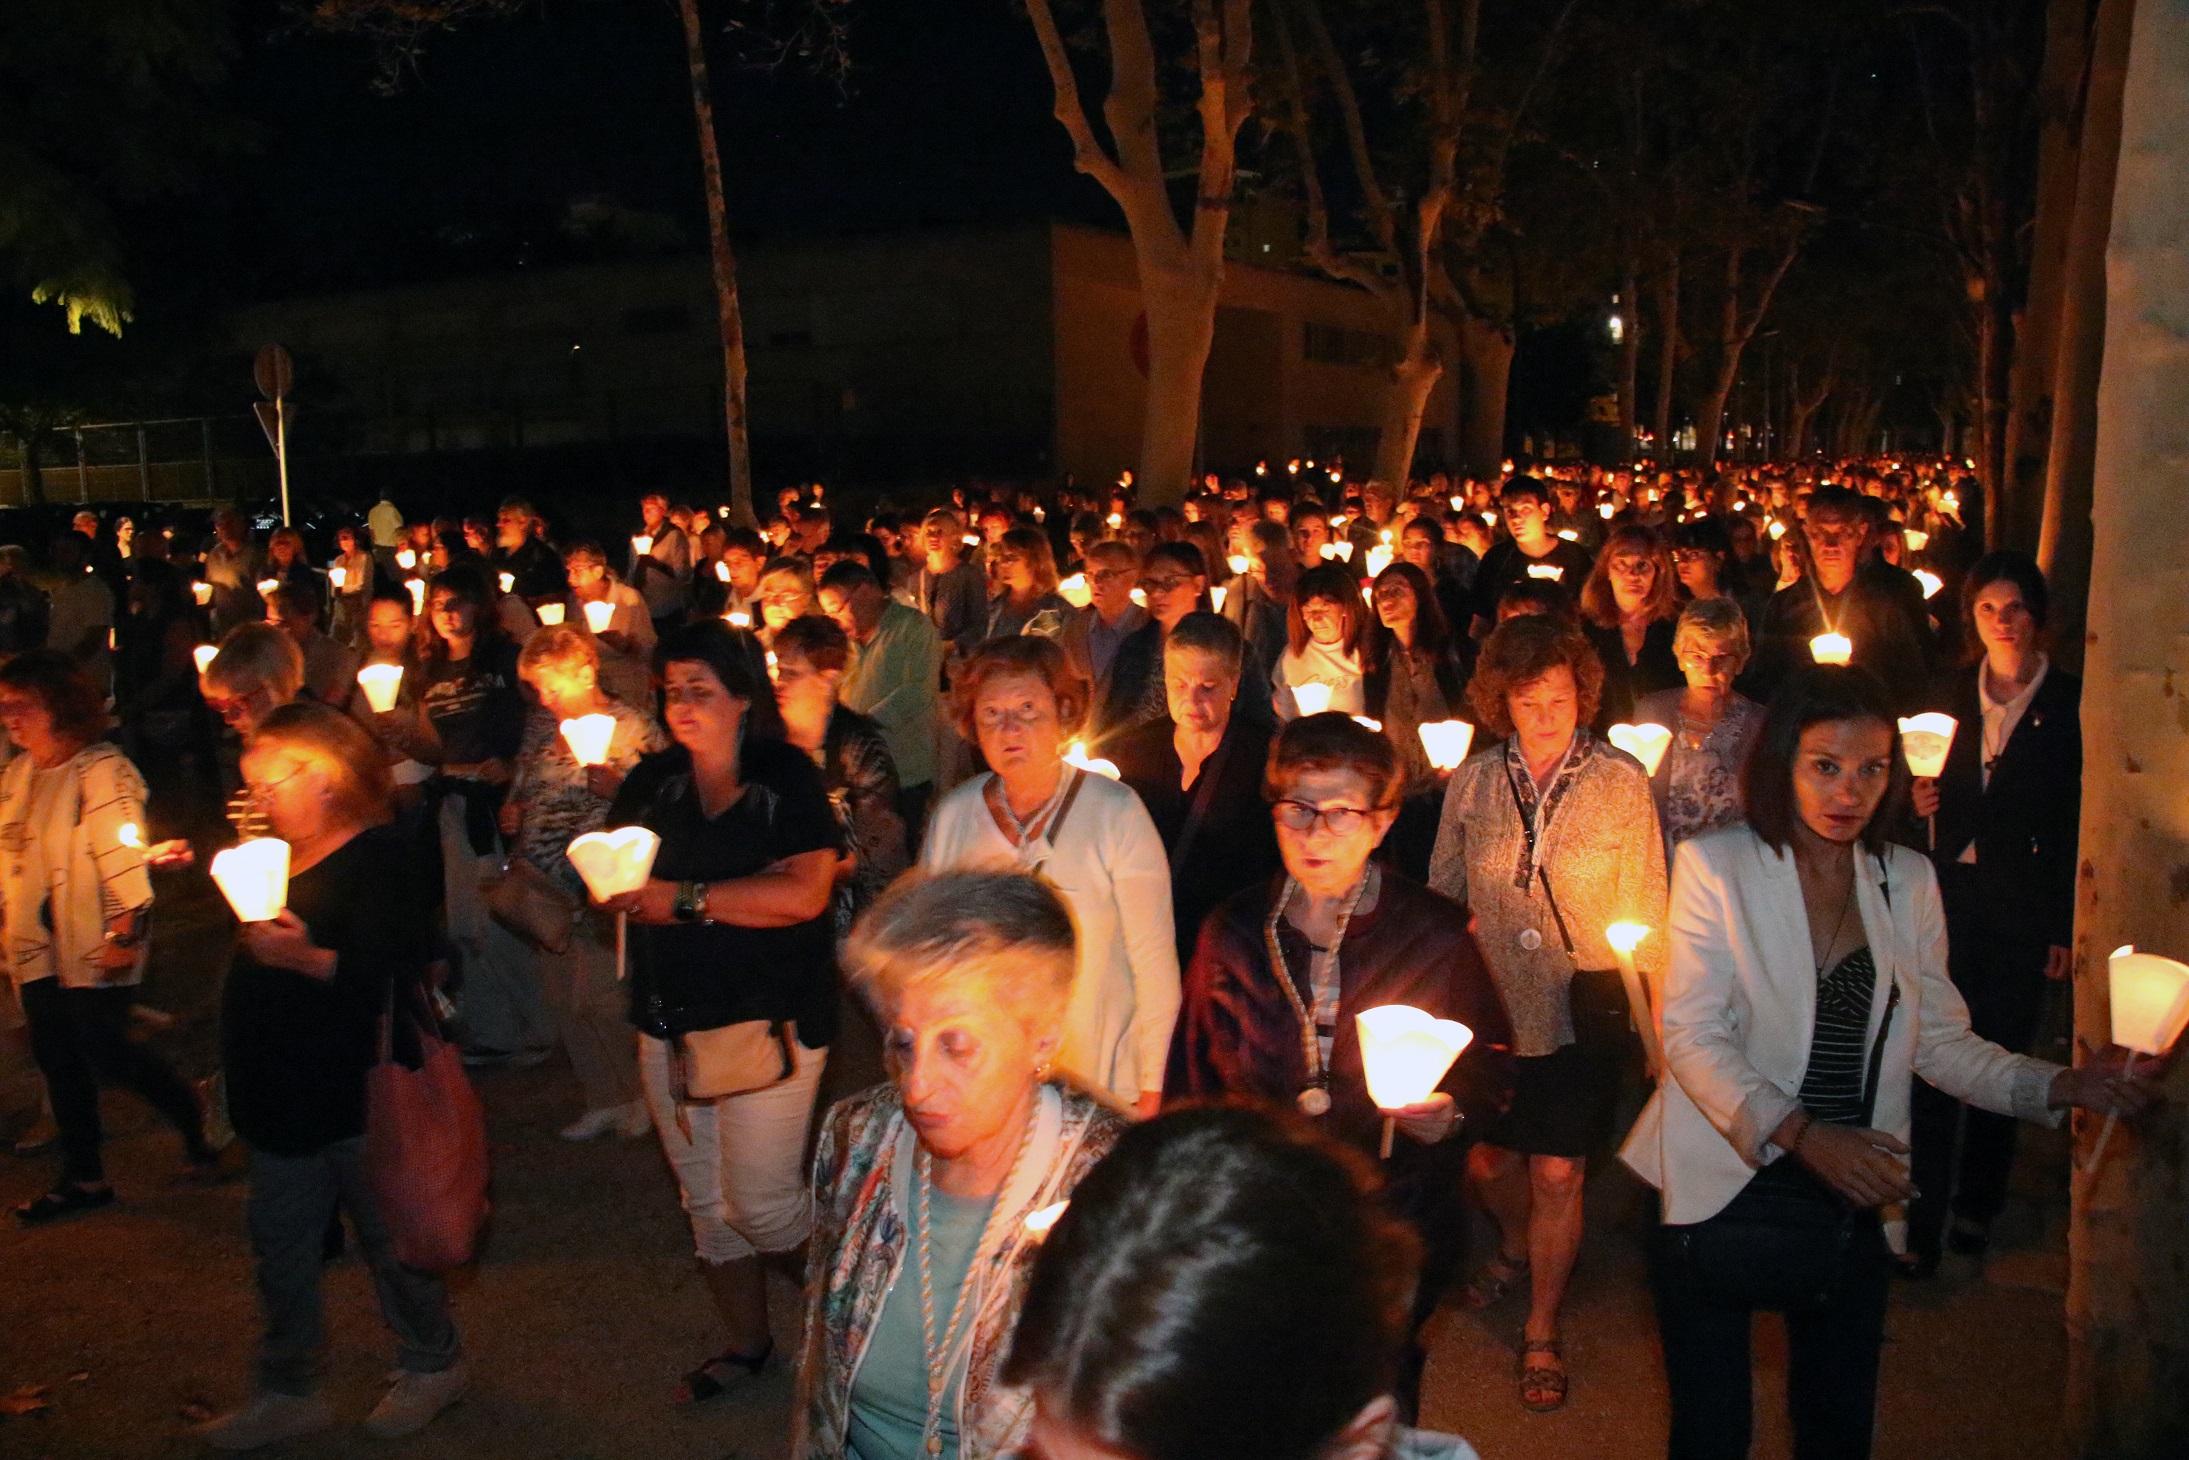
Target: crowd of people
[[1023, 864]]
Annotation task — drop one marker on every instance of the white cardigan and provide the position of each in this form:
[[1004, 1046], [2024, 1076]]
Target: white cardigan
[[52, 927], [1110, 869], [1739, 1013]]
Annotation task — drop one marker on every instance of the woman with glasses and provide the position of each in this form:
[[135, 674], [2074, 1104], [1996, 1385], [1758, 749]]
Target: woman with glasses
[[786, 592], [1698, 784], [1549, 839], [1174, 579], [1627, 608], [1023, 567], [1282, 969], [1326, 627], [1020, 701]]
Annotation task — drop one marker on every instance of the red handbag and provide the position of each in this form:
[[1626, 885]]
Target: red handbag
[[425, 1147]]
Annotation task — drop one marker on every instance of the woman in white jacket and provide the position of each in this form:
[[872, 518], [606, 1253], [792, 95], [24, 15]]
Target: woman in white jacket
[[1807, 987], [1020, 699]]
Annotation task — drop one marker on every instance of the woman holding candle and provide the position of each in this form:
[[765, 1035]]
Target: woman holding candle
[[1327, 625], [929, 1188], [1548, 839], [626, 634], [1628, 606], [2006, 814], [1807, 987], [300, 1026], [1020, 701], [1698, 783], [1023, 567], [1183, 1217], [353, 561], [732, 928], [553, 800], [391, 641], [1281, 970], [1415, 677], [75, 902]]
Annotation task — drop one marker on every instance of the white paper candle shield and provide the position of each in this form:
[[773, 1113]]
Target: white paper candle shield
[[1605, 510], [1140, 596], [1547, 572], [254, 877], [738, 618], [641, 545], [338, 577], [1832, 649], [1915, 539], [550, 614], [615, 862], [1312, 699], [1404, 1052], [406, 559], [417, 587], [381, 683], [1930, 582], [1341, 550], [2150, 1000], [129, 836], [1924, 740], [588, 737], [266, 587], [722, 571], [1646, 743], [508, 582], [204, 655], [598, 616], [1238, 564], [1075, 590], [202, 592], [1217, 595], [1446, 742], [1379, 558]]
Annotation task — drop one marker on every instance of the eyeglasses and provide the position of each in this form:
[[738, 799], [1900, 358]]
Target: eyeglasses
[[263, 791], [1164, 585], [226, 707], [1304, 816]]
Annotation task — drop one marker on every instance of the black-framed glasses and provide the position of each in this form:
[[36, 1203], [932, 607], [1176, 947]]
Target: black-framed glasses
[[1305, 815]]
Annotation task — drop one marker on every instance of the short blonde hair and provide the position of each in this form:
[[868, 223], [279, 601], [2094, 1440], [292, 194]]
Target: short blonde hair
[[257, 656], [1717, 620], [1009, 928], [557, 646]]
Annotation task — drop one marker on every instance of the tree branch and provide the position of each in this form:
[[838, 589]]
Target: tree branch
[[1087, 154]]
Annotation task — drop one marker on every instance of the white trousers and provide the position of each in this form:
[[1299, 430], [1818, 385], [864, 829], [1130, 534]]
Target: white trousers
[[741, 1173]]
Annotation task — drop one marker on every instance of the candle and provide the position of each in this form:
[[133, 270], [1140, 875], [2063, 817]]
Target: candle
[[202, 592], [339, 577], [1446, 742], [1832, 649], [1646, 743], [722, 571], [417, 587], [1569, 534], [1548, 572], [1076, 755], [1624, 938], [771, 664], [1312, 699], [642, 545], [508, 582], [1217, 596], [588, 737], [1777, 529], [406, 559], [599, 615], [266, 586], [1925, 740], [1140, 596], [2150, 1007], [1341, 550], [551, 614], [1916, 540], [204, 654], [129, 836], [1366, 723], [1039, 1223], [614, 862], [1930, 581], [1238, 563], [1404, 1053], [739, 619], [254, 877], [1116, 520], [381, 683], [1379, 558], [1459, 503], [1074, 590]]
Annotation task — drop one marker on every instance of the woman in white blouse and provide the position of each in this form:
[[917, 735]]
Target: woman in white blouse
[[1807, 987], [1328, 621], [1090, 836]]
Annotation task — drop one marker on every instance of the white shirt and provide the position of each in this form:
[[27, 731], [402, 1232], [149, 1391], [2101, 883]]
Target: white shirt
[[385, 521], [2000, 718]]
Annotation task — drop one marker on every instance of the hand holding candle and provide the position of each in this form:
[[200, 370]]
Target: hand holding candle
[[254, 877], [1446, 742], [1832, 649], [1404, 1053], [1646, 743], [588, 737], [2150, 1005], [1926, 740], [381, 683]]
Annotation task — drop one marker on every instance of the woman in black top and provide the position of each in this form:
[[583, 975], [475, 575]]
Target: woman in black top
[[300, 1022], [1413, 676], [732, 928], [1628, 608]]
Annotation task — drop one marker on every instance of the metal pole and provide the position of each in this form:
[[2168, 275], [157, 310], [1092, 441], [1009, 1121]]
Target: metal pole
[[83, 472], [144, 471], [281, 454], [205, 445]]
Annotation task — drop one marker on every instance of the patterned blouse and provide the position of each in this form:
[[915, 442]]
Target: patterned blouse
[[1698, 785], [551, 786], [1598, 859]]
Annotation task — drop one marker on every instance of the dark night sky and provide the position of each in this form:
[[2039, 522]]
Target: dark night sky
[[469, 168]]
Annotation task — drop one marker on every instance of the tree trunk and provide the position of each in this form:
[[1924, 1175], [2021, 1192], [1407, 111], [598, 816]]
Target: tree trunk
[[1486, 368], [34, 461], [1668, 347], [1710, 410], [1181, 307], [2030, 383], [1630, 358], [1406, 398], [1994, 352], [2128, 1245], [2063, 549], [729, 317]]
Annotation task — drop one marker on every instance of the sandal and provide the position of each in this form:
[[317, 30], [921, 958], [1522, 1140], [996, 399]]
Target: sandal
[[1498, 1278], [64, 1201], [701, 1384], [1542, 1386]]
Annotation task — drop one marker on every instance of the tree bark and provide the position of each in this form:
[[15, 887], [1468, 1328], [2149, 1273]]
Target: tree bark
[[1668, 361], [729, 316], [2063, 548], [1486, 367], [1630, 357], [2030, 383], [2128, 1245], [1405, 400], [1994, 353]]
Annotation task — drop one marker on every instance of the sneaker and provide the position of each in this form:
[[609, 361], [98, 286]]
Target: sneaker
[[414, 1400], [268, 1419], [594, 1124]]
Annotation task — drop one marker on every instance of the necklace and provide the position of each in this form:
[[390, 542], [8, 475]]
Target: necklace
[[937, 1358], [1314, 1097], [1846, 901]]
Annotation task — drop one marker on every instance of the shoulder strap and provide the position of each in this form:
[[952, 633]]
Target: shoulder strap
[[1064, 809]]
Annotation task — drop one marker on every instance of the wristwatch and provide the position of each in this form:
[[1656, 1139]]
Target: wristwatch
[[691, 902]]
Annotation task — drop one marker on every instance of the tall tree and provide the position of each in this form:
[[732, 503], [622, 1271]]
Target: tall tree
[[1181, 265]]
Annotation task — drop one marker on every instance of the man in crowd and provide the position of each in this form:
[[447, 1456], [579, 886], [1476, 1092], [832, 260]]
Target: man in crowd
[[1836, 596], [893, 678], [662, 573], [1533, 551]]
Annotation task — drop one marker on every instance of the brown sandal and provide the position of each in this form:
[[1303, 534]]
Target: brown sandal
[[1498, 1277], [1542, 1386]]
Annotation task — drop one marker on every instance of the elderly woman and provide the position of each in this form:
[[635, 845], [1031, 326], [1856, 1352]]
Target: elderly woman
[[553, 800], [1282, 969], [1026, 600], [626, 639], [300, 1017], [731, 930], [1627, 608], [1808, 987], [1019, 699], [1187, 1214], [1327, 626], [1548, 839], [927, 1187], [75, 904], [1698, 784]]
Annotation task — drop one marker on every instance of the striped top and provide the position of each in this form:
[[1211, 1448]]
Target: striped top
[[1832, 1086]]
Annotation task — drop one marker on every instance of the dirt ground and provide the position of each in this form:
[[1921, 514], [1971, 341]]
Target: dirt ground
[[585, 1308]]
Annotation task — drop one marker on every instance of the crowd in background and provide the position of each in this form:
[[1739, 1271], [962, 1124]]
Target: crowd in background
[[988, 831]]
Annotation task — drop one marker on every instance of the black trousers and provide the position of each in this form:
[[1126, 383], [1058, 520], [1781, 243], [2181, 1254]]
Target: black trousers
[[79, 1038], [1961, 1153], [1832, 1356]]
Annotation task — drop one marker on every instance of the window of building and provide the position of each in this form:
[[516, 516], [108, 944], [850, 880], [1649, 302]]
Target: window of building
[[1330, 344]]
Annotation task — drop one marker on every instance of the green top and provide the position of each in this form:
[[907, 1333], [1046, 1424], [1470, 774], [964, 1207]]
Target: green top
[[889, 1392]]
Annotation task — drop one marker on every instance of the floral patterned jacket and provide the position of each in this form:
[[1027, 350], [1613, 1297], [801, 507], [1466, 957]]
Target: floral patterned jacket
[[862, 1178]]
